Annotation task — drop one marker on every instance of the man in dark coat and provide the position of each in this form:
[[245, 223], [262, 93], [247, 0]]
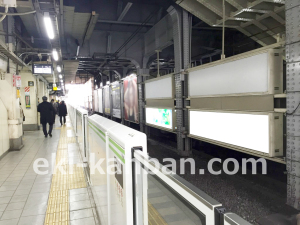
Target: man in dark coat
[[62, 108], [47, 111]]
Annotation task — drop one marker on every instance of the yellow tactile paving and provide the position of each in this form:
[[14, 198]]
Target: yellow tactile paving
[[154, 218], [71, 140], [66, 178]]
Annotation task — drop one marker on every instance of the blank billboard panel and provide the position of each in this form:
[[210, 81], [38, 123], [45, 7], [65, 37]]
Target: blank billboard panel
[[159, 88], [100, 99], [256, 132], [106, 100], [96, 101], [255, 74]]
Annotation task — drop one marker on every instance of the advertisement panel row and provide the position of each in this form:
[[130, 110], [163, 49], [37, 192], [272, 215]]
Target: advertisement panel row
[[111, 99]]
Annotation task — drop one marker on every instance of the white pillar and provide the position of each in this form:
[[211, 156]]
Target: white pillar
[[31, 115], [8, 95]]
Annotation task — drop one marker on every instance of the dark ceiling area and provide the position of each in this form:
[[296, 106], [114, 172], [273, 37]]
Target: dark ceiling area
[[100, 37]]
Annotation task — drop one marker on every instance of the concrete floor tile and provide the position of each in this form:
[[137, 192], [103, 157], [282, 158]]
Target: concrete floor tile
[[3, 207], [19, 198], [6, 194], [38, 210], [13, 214], [32, 220], [8, 188], [9, 222], [80, 205], [89, 221], [78, 191], [14, 178], [15, 205], [22, 191], [5, 200], [9, 183], [79, 214], [80, 197]]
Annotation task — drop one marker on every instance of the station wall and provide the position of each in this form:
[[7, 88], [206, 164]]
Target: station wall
[[4, 137]]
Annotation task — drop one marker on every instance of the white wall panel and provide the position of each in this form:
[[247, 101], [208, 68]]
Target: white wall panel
[[159, 88], [100, 99], [4, 138], [254, 74], [249, 131]]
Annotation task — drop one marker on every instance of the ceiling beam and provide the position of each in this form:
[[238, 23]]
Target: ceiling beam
[[90, 26], [125, 10], [239, 4], [125, 23]]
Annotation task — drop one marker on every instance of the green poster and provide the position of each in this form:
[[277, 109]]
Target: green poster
[[27, 102]]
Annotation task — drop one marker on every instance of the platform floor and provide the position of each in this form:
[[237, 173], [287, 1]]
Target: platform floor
[[27, 198]]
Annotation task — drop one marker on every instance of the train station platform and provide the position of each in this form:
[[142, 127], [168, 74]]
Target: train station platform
[[51, 181], [27, 198]]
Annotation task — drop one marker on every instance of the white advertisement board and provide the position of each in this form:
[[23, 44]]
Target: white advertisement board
[[96, 101], [256, 74], [159, 88], [116, 99], [100, 99], [160, 117], [249, 131]]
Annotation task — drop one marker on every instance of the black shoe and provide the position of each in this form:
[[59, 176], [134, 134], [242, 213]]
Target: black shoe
[[46, 136], [50, 135]]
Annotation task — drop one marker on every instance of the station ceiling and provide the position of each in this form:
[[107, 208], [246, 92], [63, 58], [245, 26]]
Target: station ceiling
[[94, 33]]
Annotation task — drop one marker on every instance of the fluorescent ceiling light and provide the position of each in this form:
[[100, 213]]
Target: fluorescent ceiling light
[[48, 25], [55, 54], [58, 69], [60, 76]]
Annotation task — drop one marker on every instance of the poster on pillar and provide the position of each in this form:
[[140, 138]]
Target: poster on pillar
[[131, 112], [116, 99], [27, 101], [106, 100]]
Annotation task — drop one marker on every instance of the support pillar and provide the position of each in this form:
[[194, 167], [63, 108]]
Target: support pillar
[[142, 73], [182, 44], [293, 101], [31, 122], [8, 95]]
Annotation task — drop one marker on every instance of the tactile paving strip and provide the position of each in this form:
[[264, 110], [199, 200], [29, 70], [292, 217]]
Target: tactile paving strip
[[154, 218], [65, 177]]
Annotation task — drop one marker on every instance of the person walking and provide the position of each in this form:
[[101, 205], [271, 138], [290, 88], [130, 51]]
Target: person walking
[[55, 107], [46, 110], [62, 112]]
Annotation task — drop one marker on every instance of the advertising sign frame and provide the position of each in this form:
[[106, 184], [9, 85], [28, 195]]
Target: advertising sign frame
[[115, 93], [128, 80]]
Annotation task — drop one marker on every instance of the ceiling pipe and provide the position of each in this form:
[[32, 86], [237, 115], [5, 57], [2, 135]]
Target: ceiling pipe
[[17, 14]]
